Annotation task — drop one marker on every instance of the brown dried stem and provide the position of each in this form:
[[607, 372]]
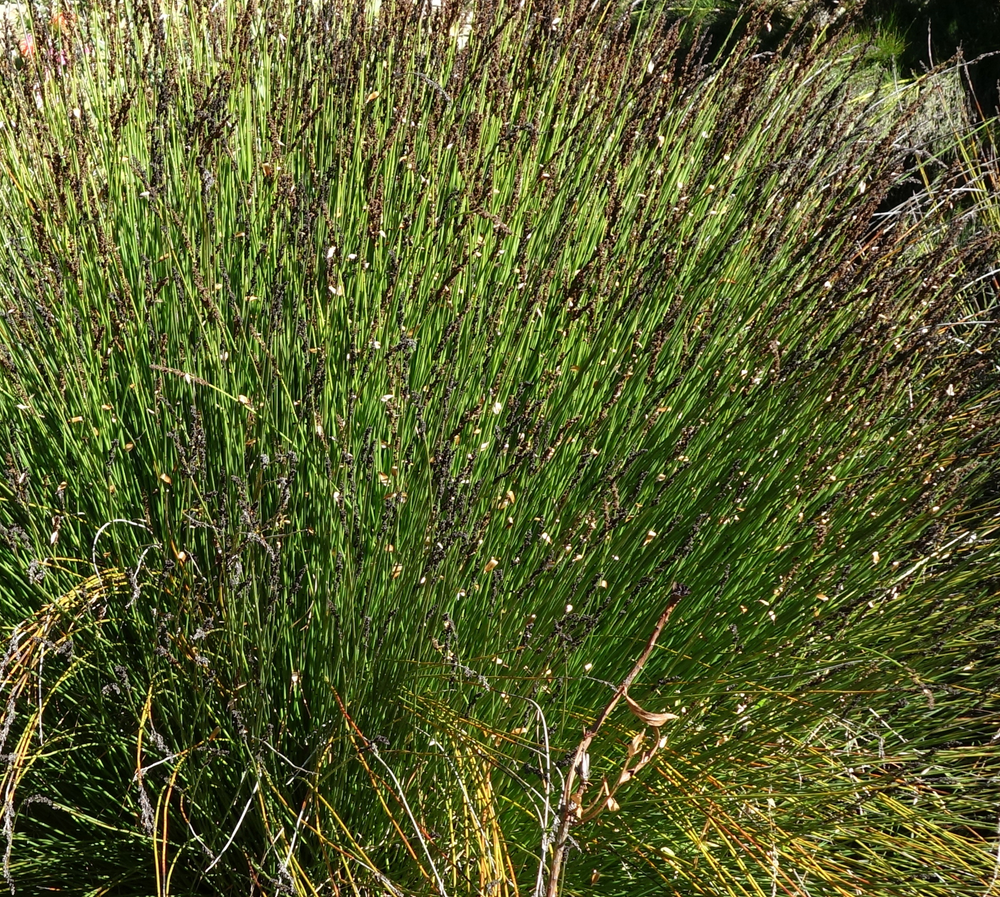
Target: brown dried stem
[[572, 801]]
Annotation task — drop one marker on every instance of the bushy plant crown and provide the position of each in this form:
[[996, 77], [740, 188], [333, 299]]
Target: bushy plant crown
[[372, 381]]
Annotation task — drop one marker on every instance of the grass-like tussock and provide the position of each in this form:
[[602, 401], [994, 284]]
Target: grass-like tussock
[[371, 385]]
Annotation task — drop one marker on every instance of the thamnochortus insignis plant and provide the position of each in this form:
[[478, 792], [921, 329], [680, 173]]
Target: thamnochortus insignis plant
[[483, 449]]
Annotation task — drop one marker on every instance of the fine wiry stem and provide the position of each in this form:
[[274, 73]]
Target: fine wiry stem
[[232, 836]]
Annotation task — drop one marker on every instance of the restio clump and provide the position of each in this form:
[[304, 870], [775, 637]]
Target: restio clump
[[485, 448]]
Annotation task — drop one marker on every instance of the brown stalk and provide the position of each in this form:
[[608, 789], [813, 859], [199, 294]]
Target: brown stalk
[[571, 800]]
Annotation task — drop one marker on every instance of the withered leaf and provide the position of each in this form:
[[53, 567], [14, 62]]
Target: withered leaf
[[650, 719]]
